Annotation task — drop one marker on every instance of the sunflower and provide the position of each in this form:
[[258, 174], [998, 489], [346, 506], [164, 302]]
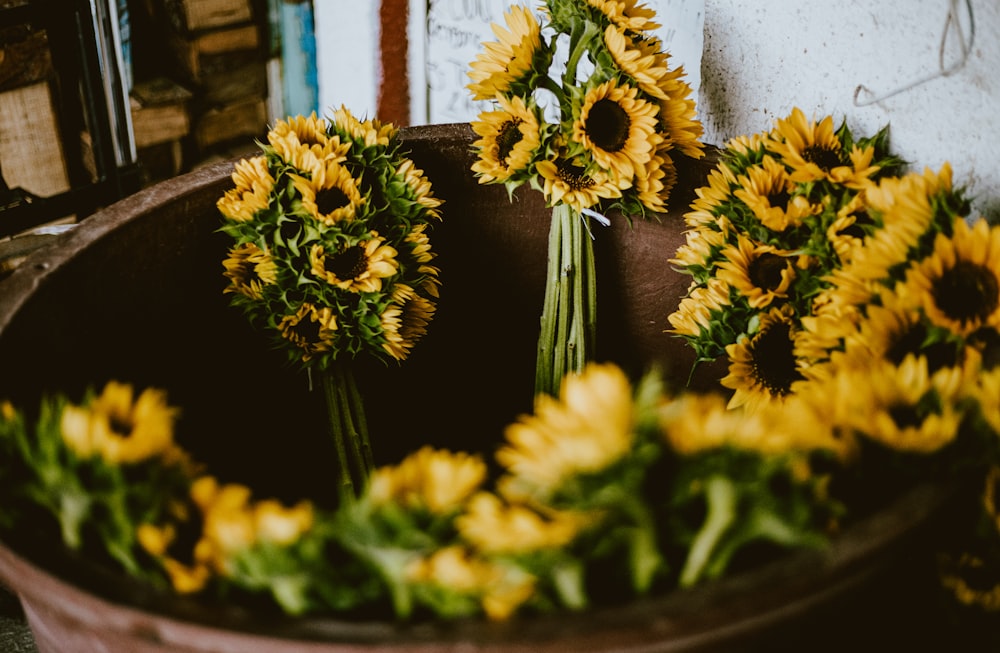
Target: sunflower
[[184, 578], [303, 142], [907, 206], [360, 267], [585, 430], [429, 479], [959, 282], [420, 250], [310, 329], [870, 267], [678, 115], [249, 269], [331, 194], [642, 59], [564, 181], [701, 245], [763, 366], [233, 523], [406, 318], [306, 130], [654, 184], [904, 407], [363, 133], [821, 333], [420, 186], [630, 15], [991, 493], [761, 273], [767, 190], [617, 128], [895, 328], [747, 145], [500, 589], [698, 311], [509, 60], [120, 427], [711, 198], [509, 140], [814, 152], [965, 578], [696, 422], [850, 227], [493, 526], [252, 192]]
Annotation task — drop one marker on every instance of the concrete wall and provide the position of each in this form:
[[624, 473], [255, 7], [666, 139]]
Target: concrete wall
[[762, 58], [759, 59]]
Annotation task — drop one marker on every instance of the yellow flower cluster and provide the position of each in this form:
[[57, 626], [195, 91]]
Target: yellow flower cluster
[[613, 131], [119, 429], [500, 590], [428, 479], [331, 254], [606, 478], [231, 527], [586, 429]]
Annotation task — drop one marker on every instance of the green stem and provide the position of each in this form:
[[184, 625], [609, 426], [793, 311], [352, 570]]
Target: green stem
[[568, 324], [720, 495], [348, 427], [579, 44]]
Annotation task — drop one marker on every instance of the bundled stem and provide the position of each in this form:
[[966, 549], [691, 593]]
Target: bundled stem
[[567, 336], [348, 427]]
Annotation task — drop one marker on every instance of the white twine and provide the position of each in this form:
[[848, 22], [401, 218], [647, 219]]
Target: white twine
[[596, 216]]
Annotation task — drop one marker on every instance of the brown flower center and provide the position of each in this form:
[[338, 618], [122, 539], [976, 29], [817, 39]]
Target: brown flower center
[[779, 198], [347, 264], [827, 158], [765, 271], [773, 356], [574, 176], [905, 416], [608, 125], [329, 200], [939, 354], [306, 331], [121, 425], [508, 136], [967, 292]]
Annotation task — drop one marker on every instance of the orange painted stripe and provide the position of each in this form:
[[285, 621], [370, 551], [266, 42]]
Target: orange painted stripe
[[394, 91]]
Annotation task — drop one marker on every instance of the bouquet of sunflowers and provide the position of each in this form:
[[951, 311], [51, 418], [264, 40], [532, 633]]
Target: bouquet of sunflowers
[[588, 111], [823, 274], [331, 257], [581, 511]]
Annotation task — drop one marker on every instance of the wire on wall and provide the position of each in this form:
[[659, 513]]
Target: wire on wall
[[952, 24]]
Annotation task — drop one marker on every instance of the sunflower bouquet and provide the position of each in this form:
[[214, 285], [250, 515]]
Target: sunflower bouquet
[[825, 274], [331, 257], [608, 492], [580, 514], [587, 110]]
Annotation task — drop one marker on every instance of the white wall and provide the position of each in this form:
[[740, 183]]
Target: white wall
[[347, 58], [759, 60], [763, 58]]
